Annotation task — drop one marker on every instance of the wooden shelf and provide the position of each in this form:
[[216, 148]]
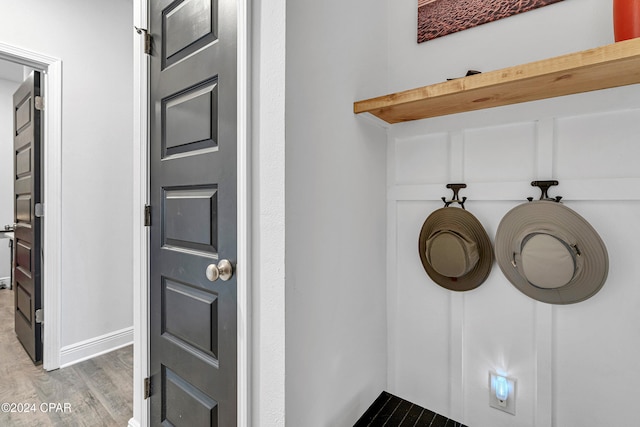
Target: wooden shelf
[[604, 67]]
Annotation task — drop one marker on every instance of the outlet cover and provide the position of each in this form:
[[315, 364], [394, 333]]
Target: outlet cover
[[508, 405]]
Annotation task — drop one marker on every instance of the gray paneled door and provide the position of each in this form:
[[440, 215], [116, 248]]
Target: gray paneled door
[[27, 275], [193, 306]]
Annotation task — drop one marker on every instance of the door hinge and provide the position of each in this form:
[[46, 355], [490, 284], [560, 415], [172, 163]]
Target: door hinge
[[148, 39], [39, 210], [147, 215], [39, 103], [147, 388], [39, 316]]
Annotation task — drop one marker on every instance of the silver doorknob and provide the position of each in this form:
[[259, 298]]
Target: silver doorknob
[[224, 270]]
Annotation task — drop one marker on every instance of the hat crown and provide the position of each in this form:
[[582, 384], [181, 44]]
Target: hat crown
[[547, 261], [451, 254], [455, 249]]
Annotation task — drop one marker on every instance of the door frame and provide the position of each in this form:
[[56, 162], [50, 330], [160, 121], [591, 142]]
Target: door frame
[[52, 163], [140, 157]]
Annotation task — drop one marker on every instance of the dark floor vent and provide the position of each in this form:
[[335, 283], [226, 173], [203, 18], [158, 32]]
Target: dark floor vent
[[391, 411]]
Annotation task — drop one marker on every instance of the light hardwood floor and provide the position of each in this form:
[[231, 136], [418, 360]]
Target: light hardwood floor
[[96, 392]]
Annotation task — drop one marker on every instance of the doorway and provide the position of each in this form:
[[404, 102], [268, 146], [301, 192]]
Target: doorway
[[54, 356], [51, 71]]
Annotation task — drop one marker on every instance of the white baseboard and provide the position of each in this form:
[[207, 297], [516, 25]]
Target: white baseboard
[[91, 348], [133, 423], [6, 281]]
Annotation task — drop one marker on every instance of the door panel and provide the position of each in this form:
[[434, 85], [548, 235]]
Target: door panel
[[27, 192], [179, 299], [190, 218], [186, 23], [23, 114], [188, 26], [190, 123], [23, 163], [200, 409], [193, 199]]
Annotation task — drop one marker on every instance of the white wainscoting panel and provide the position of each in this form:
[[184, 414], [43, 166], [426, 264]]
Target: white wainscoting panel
[[575, 365], [420, 159], [598, 145], [597, 341], [500, 153]]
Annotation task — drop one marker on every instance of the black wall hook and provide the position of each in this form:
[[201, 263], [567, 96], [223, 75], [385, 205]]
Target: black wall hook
[[469, 73], [456, 199], [544, 188]]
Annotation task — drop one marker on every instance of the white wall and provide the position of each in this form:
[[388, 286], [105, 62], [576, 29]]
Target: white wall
[[567, 359], [335, 212], [268, 213], [93, 40], [7, 88]]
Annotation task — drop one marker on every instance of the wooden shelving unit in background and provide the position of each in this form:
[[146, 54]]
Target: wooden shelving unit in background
[[604, 67]]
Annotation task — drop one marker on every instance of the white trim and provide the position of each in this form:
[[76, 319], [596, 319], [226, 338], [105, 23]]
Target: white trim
[[392, 271], [544, 317], [140, 232], [456, 356], [243, 217], [133, 423], [456, 301], [52, 246], [268, 214], [544, 373], [88, 349]]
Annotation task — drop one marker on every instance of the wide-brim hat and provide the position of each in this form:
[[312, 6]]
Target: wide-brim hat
[[551, 253], [455, 249]]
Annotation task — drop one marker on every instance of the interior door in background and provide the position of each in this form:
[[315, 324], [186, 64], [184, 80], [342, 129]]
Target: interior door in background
[[27, 268]]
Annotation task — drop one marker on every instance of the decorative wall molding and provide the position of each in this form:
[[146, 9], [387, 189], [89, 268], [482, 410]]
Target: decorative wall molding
[[592, 153], [456, 355]]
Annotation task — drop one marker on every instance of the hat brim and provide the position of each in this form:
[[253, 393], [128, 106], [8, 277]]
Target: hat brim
[[554, 219], [462, 222]]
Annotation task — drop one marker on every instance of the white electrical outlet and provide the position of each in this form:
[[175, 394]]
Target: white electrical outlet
[[502, 392]]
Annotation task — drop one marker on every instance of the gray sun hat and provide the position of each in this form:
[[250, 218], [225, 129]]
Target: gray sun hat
[[550, 253], [455, 249]]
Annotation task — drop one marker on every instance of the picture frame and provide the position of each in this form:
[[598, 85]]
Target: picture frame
[[437, 18]]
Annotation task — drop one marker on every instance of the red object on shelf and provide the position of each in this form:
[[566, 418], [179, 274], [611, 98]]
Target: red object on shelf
[[626, 19]]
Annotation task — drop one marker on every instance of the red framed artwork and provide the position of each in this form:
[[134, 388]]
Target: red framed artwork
[[437, 18]]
